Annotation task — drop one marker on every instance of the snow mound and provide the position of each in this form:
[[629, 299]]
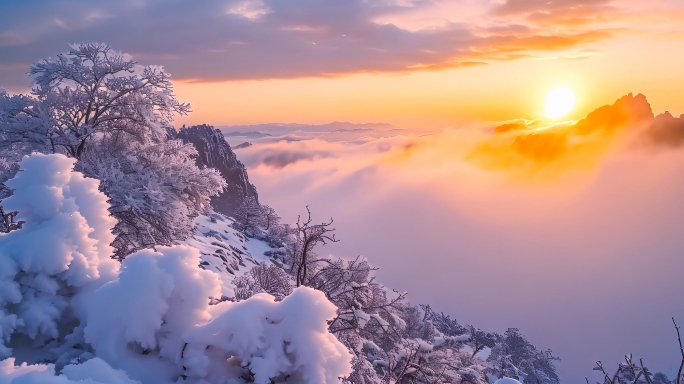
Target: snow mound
[[61, 252], [272, 338], [176, 297]]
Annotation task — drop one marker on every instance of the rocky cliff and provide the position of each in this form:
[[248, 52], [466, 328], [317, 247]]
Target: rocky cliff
[[215, 152]]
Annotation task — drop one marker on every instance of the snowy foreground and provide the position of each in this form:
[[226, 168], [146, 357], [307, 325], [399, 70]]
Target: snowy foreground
[[165, 315], [147, 319]]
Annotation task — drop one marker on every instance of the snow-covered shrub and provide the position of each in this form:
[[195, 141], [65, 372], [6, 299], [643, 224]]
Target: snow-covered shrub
[[279, 340], [140, 316], [514, 356], [258, 337], [173, 328], [61, 252], [266, 278]]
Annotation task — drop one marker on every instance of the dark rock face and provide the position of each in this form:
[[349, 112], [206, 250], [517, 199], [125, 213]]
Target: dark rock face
[[214, 152]]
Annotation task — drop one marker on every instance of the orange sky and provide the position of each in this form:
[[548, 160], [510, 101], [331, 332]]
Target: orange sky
[[436, 99]]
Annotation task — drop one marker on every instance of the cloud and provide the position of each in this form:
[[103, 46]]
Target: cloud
[[568, 239], [282, 158], [558, 11], [12, 38], [531, 149], [266, 39], [522, 150]]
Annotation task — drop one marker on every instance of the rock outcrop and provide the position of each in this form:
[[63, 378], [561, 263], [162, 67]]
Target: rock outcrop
[[214, 152]]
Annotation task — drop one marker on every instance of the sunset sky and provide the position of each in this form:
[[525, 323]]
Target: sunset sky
[[569, 229], [420, 64]]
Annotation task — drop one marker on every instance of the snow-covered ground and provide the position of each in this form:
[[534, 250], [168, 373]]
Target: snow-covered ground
[[226, 251]]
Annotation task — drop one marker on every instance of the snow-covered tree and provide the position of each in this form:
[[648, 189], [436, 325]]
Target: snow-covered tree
[[249, 217], [92, 92], [629, 372], [271, 217], [113, 115], [12, 148], [514, 356], [22, 127], [154, 191], [303, 258]]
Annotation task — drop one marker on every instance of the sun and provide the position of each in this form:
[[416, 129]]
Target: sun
[[559, 102]]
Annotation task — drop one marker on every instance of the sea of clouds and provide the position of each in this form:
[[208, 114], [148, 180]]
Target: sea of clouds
[[570, 232]]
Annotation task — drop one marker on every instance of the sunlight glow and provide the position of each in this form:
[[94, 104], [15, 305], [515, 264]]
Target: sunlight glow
[[559, 102]]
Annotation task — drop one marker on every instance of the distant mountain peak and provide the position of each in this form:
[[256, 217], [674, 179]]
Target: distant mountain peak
[[249, 134], [626, 110]]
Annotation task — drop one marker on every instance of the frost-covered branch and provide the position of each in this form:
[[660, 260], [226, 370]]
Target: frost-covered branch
[[681, 351]]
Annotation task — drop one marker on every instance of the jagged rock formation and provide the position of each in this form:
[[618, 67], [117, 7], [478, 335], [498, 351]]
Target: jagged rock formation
[[215, 152]]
